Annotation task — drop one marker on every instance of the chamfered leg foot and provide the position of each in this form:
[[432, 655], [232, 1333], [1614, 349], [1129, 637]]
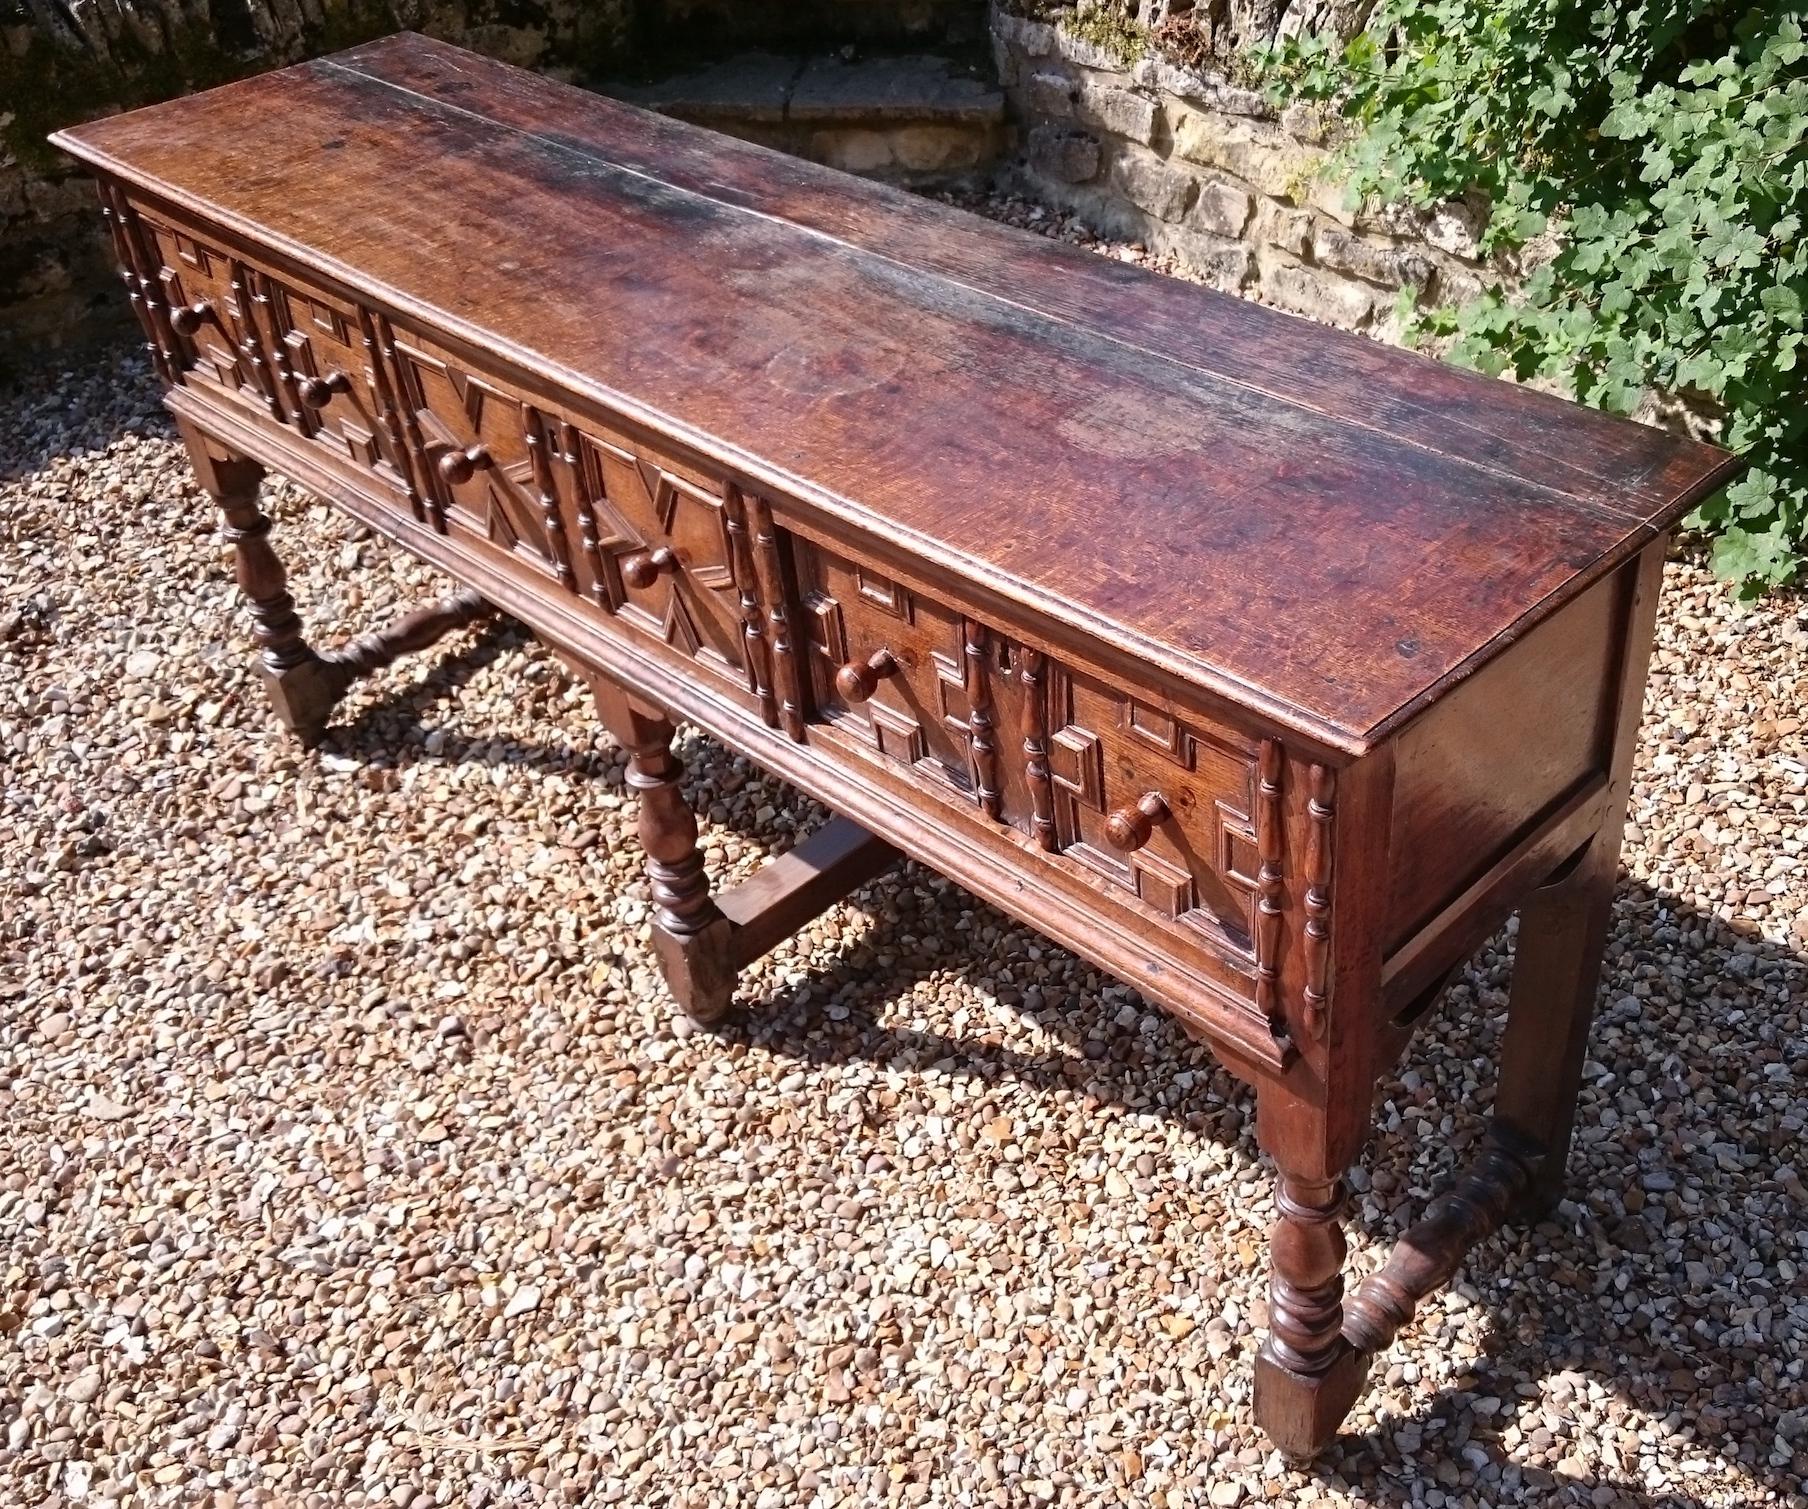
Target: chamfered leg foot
[[699, 969], [1301, 1412], [303, 697], [1307, 1376], [693, 940]]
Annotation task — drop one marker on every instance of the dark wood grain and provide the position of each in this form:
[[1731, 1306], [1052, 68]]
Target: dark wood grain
[[1521, 432], [1267, 669], [1164, 506], [1467, 792]]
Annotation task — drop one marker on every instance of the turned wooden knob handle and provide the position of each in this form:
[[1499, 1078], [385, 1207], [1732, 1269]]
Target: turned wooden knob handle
[[460, 466], [186, 319], [643, 568], [1129, 828], [318, 392], [859, 679]]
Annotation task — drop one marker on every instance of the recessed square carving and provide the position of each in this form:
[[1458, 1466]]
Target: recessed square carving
[[1164, 885], [306, 314], [1156, 729], [360, 442], [951, 694], [193, 253], [830, 637], [882, 592], [1238, 859]]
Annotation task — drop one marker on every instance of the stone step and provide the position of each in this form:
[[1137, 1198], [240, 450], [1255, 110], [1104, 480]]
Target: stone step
[[916, 119]]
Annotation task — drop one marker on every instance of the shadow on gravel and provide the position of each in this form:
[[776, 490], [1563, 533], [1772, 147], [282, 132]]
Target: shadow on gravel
[[1723, 1371], [1685, 1056], [373, 727], [57, 412]]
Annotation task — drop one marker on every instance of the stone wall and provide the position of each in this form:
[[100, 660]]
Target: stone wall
[[705, 28], [1108, 125], [1202, 169], [63, 61], [915, 119]]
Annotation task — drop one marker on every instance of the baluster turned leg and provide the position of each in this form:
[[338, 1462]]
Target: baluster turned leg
[[692, 937], [1307, 1375], [301, 686], [304, 686]]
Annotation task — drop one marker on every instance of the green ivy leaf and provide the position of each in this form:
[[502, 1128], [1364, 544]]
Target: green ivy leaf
[[1675, 169]]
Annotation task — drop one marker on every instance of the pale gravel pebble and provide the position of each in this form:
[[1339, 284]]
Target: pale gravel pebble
[[350, 1154]]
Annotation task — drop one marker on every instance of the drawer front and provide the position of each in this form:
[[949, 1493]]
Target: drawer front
[[1148, 835], [1162, 808], [208, 300], [302, 357], [326, 379], [929, 680], [1158, 809], [655, 543], [643, 536], [482, 457], [204, 294]]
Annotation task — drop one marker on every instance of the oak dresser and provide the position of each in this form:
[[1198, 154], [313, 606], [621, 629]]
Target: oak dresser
[[1269, 669]]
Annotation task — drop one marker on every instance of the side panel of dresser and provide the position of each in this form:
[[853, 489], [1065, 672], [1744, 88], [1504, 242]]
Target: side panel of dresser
[[1014, 765], [1502, 783]]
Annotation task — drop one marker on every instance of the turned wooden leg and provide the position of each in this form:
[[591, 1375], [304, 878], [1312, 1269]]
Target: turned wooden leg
[[704, 941], [1307, 1374], [301, 686], [692, 937], [304, 685]]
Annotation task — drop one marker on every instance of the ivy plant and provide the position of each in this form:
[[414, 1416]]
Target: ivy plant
[[1648, 162]]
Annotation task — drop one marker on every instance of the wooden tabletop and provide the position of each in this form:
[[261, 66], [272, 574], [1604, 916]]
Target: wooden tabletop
[[1322, 529]]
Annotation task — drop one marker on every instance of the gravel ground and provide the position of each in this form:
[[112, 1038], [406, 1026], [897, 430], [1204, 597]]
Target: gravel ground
[[351, 1154]]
